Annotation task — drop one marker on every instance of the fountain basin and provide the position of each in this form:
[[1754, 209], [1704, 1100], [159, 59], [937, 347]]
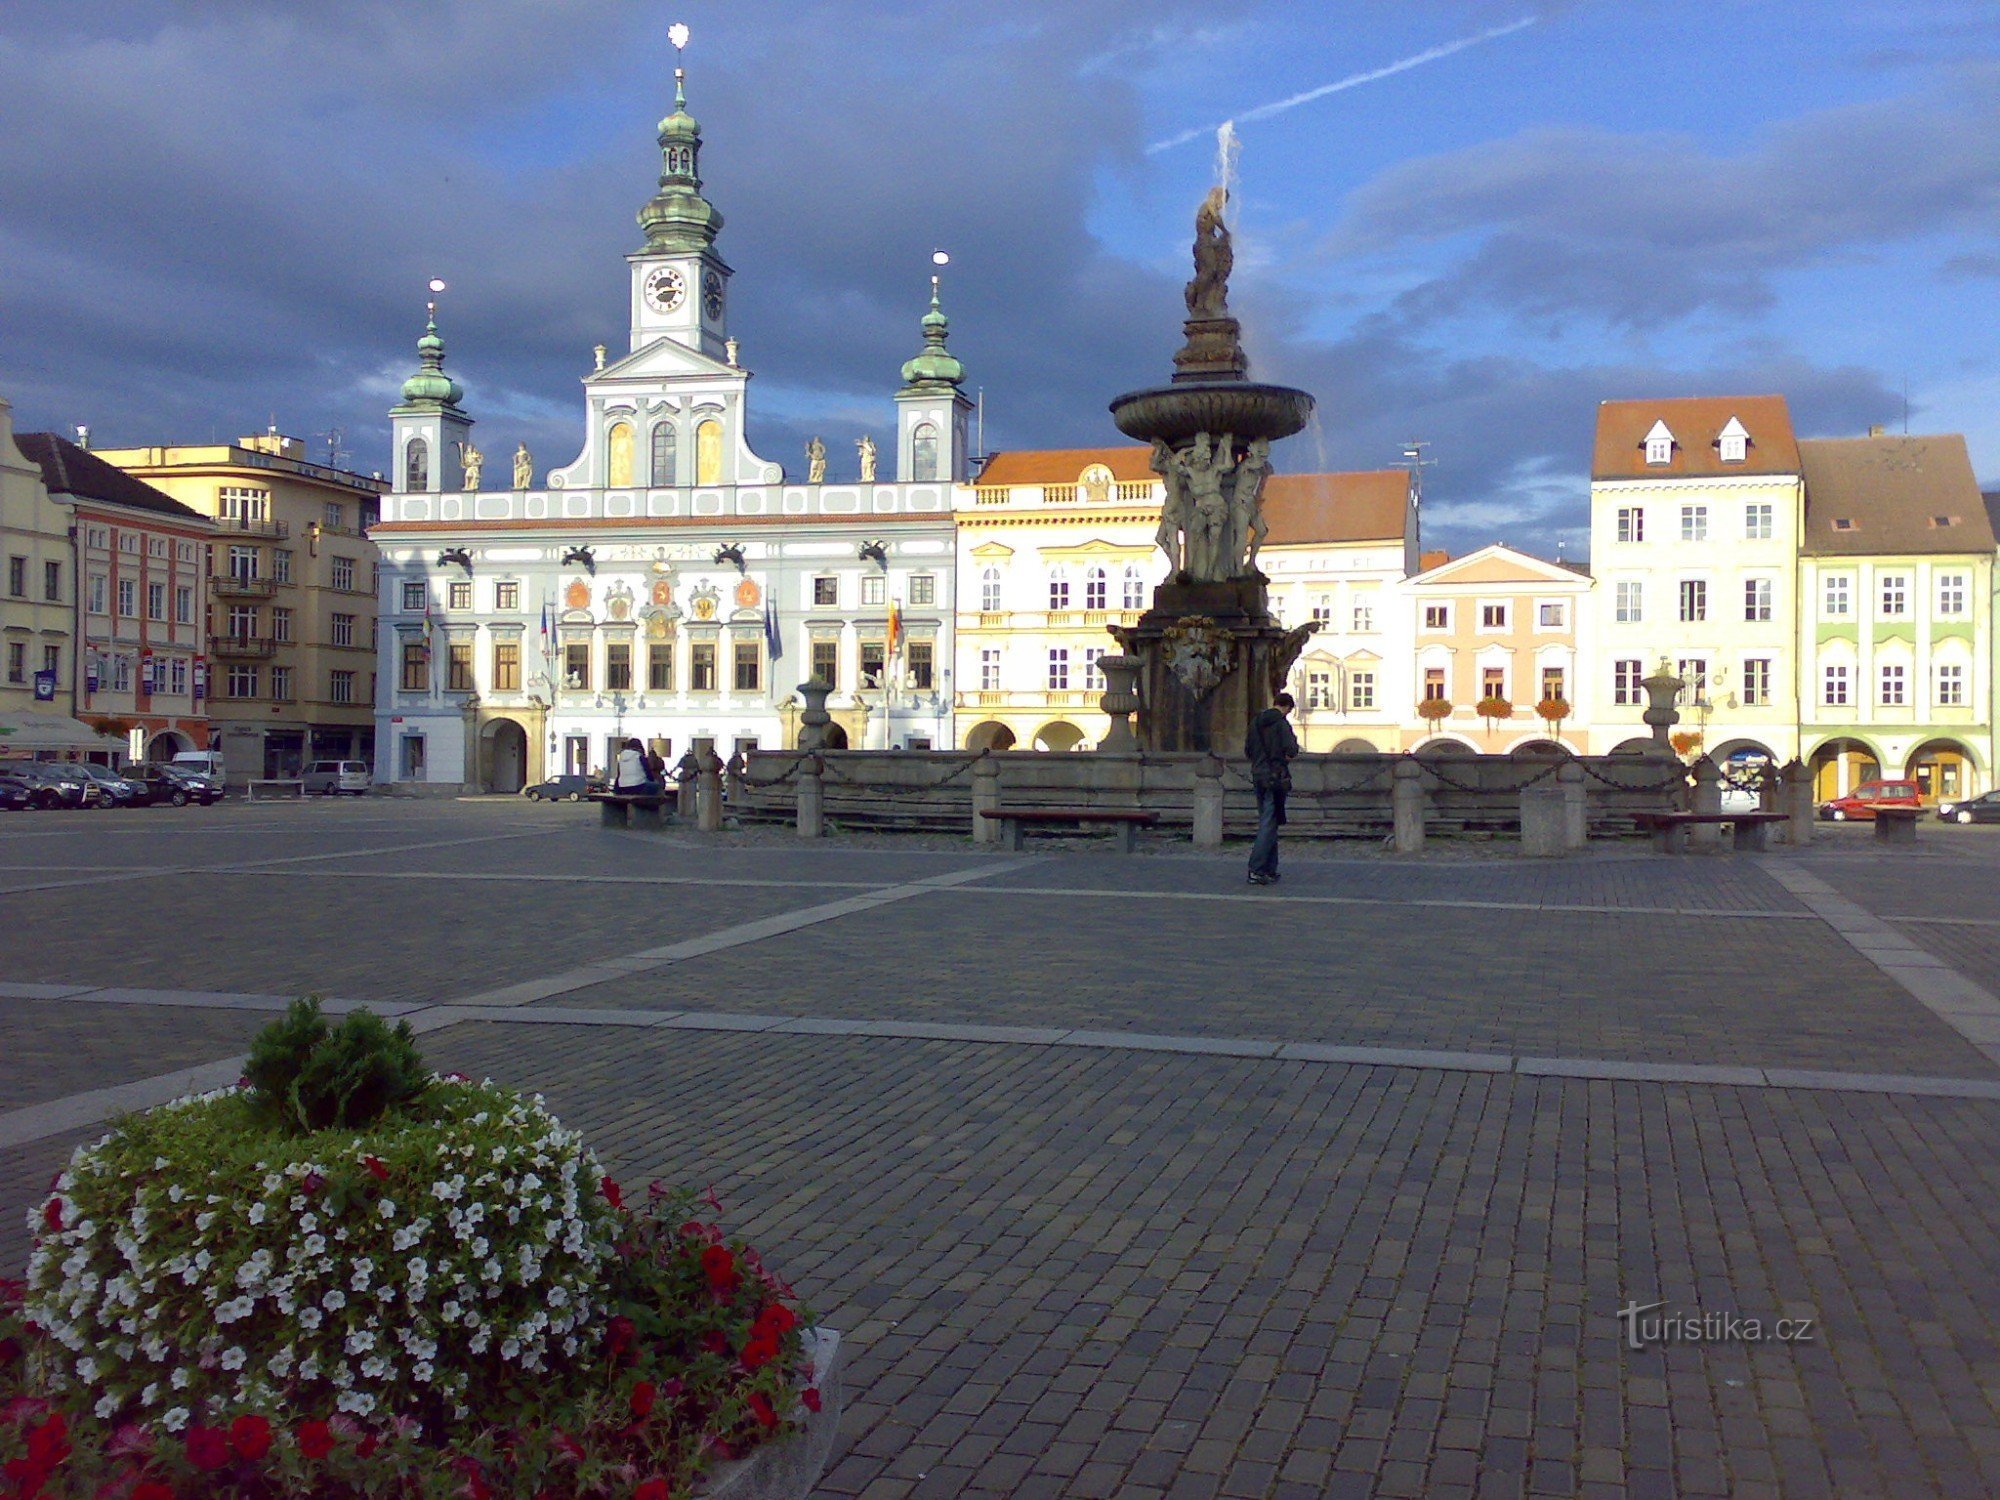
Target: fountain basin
[[1176, 413]]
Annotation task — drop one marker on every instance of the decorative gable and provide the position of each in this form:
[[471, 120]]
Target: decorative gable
[[1732, 443], [1660, 444]]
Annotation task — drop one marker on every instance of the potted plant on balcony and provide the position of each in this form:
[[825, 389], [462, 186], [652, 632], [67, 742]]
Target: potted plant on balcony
[[1492, 708], [350, 1277], [1552, 710], [1433, 711]]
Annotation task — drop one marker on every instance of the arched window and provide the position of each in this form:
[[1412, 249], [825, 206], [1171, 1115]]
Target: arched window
[[708, 452], [1096, 589], [989, 591], [665, 457], [923, 452], [417, 465], [618, 468], [1058, 589], [1135, 587]]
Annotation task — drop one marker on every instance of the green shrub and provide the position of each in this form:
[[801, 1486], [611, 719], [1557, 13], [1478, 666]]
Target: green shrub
[[306, 1077]]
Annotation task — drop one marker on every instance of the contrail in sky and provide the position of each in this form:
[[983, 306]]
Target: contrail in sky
[[1353, 80]]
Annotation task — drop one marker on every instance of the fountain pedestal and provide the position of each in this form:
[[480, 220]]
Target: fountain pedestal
[[1181, 710]]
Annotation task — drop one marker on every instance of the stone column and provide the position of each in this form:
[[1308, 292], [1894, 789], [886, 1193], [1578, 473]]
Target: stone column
[[1406, 799], [707, 787], [1544, 822], [684, 778], [1798, 804], [1661, 690], [812, 796], [1208, 803], [1576, 806], [813, 722], [1707, 799], [985, 796], [1120, 701]]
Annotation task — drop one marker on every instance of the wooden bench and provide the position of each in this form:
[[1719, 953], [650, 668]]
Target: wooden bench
[[652, 810], [1897, 825], [1015, 821], [1751, 828]]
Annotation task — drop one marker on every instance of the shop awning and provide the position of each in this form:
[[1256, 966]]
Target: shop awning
[[30, 733]]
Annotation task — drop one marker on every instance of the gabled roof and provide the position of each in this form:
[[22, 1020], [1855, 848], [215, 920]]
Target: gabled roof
[[663, 356], [1128, 465], [1895, 494], [1499, 564], [1696, 423], [82, 475], [1370, 505]]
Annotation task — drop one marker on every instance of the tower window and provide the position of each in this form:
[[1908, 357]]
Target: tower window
[[665, 455], [708, 452], [923, 452], [618, 464], [417, 465]]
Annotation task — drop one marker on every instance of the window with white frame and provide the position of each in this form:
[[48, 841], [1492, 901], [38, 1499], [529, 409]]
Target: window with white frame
[[1492, 617], [1757, 521], [1631, 523], [923, 588], [1058, 590], [243, 563], [989, 591], [1732, 443], [156, 601], [1626, 673], [343, 630], [1437, 617], [1757, 599], [121, 674], [343, 573], [1092, 677], [99, 585], [1096, 589], [184, 605], [1756, 681], [1364, 614], [1694, 523], [1135, 588], [1694, 600], [1360, 690], [1319, 688], [826, 590], [1951, 593], [1659, 445], [281, 623], [1631, 601], [242, 682], [1950, 685], [341, 686], [1837, 596], [281, 684], [1552, 614], [1834, 686], [128, 597], [1322, 610], [1895, 595], [874, 588], [1693, 673], [177, 676], [1058, 668], [281, 564], [413, 596], [1895, 685], [989, 669]]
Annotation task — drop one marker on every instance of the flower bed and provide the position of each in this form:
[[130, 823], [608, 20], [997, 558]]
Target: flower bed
[[451, 1300]]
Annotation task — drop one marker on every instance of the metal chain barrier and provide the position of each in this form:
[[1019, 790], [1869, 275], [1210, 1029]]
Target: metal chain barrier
[[1430, 767], [1670, 784]]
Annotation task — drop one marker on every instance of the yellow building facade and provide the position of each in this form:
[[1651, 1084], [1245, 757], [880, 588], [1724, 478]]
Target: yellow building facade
[[38, 591]]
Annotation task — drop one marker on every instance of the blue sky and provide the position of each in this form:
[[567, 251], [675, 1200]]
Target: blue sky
[[215, 214]]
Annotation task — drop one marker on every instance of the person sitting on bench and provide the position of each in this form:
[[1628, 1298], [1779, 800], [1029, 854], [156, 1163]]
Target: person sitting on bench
[[631, 778]]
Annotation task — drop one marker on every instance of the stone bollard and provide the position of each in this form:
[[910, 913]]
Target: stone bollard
[[1208, 803], [1707, 800], [1544, 822], [985, 797], [684, 774], [1576, 807], [1796, 803], [812, 797], [813, 722], [708, 789], [734, 774], [1406, 798]]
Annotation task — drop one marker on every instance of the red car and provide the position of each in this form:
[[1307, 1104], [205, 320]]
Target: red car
[[1860, 804]]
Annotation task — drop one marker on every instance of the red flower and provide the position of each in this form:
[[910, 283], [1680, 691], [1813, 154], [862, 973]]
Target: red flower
[[652, 1489], [315, 1439], [760, 1405], [776, 1318], [207, 1447], [52, 1213], [48, 1444], [476, 1487], [313, 1182], [720, 1268], [10, 1350], [613, 1194], [643, 1395], [152, 1489], [715, 1341], [562, 1442], [809, 1398], [375, 1168], [250, 1435], [622, 1330], [370, 1441], [760, 1350]]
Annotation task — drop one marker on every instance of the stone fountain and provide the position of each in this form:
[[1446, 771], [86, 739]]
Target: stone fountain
[[1209, 655]]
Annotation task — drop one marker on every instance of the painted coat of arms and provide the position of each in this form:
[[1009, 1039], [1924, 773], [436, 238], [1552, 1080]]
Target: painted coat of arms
[[748, 595], [577, 594]]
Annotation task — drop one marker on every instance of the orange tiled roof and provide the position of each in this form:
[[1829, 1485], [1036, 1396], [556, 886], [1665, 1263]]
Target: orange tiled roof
[[1370, 505], [1695, 422], [1128, 465]]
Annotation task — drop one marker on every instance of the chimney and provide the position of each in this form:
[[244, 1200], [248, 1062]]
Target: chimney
[[1878, 430]]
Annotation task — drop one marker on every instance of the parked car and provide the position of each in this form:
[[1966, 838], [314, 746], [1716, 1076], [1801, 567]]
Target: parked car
[[563, 789], [1984, 809], [119, 791], [1861, 803], [69, 788], [18, 794], [332, 777], [174, 786], [201, 763]]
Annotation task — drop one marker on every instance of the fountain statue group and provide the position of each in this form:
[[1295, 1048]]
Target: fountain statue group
[[1212, 521]]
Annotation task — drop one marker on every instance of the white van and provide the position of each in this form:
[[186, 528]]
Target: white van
[[201, 762], [332, 777]]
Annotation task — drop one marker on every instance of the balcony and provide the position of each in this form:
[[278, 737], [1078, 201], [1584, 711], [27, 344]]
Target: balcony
[[242, 647], [226, 586], [244, 526]]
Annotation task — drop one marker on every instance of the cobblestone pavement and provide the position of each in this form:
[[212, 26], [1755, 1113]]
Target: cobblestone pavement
[[1101, 1270]]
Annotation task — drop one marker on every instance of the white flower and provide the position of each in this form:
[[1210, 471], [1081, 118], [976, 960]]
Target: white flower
[[86, 1370], [309, 1318], [334, 1300], [203, 1220], [360, 1342], [106, 1408], [386, 1208], [179, 1380], [175, 1419], [256, 1214], [510, 1349], [234, 1358]]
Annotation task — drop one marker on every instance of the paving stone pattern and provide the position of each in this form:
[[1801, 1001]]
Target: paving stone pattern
[[53, 1048]]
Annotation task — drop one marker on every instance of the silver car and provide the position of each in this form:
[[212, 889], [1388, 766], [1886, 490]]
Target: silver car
[[332, 777]]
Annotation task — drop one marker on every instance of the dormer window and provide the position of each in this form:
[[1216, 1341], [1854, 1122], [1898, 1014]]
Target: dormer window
[[1733, 442], [1659, 445]]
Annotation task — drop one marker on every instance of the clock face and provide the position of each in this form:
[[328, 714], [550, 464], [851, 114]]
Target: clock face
[[711, 294], [665, 289]]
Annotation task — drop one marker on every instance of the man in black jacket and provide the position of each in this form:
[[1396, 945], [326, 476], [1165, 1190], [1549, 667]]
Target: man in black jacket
[[1270, 746]]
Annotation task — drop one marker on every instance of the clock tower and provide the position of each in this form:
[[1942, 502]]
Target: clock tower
[[680, 286]]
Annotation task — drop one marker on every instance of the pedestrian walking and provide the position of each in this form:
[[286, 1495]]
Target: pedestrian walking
[[1270, 746]]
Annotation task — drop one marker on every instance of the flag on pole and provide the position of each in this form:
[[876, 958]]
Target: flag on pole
[[774, 642], [545, 630], [895, 641], [427, 625]]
